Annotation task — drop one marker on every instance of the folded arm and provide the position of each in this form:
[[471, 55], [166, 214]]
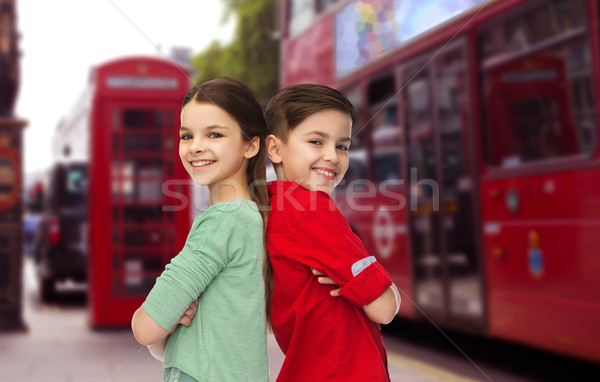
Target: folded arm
[[147, 332], [382, 310]]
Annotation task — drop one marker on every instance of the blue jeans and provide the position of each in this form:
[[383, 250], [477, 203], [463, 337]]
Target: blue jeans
[[173, 374]]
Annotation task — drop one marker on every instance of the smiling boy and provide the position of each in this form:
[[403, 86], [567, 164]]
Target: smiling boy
[[324, 338]]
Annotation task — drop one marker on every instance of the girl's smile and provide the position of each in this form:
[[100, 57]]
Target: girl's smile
[[200, 164]]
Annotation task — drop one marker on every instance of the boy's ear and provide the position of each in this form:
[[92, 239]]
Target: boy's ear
[[253, 148], [273, 144]]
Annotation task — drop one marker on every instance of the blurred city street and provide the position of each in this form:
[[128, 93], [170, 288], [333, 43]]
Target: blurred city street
[[60, 346]]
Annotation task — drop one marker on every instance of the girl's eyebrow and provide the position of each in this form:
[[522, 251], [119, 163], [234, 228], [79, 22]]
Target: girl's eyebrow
[[212, 127]]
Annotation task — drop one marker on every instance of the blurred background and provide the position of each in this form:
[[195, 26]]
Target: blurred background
[[473, 171]]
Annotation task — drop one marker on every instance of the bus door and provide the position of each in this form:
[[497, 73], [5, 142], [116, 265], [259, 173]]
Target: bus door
[[372, 195], [388, 219], [446, 266]]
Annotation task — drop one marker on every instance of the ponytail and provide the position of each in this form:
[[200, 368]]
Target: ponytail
[[257, 184]]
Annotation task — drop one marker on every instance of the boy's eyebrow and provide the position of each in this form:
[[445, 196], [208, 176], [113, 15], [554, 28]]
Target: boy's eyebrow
[[325, 135]]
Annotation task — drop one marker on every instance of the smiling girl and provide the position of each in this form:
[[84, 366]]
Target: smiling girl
[[222, 337]]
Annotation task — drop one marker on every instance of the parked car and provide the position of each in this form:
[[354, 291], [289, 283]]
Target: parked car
[[61, 238]]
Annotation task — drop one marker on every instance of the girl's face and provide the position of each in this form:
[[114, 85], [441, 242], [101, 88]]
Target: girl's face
[[211, 146]]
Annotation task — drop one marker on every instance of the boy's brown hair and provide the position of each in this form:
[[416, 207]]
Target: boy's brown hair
[[292, 105]]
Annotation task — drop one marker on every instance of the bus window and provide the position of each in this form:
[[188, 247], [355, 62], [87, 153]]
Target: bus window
[[69, 186], [534, 26], [537, 86], [300, 15], [76, 185], [385, 130], [386, 145], [419, 127], [357, 168], [452, 115]]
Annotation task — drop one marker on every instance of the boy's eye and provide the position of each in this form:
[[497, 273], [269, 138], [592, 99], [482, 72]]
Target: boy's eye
[[214, 135], [315, 142], [185, 137], [342, 147]]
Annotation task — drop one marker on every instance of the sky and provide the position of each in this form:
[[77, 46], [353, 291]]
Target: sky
[[62, 39]]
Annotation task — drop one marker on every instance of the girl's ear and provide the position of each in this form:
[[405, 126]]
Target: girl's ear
[[253, 148], [273, 144]]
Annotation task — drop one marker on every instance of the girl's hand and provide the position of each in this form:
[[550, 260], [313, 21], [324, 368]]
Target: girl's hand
[[326, 280], [186, 319]]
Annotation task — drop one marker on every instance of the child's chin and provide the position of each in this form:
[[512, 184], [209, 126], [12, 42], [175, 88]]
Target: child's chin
[[200, 182], [324, 188]]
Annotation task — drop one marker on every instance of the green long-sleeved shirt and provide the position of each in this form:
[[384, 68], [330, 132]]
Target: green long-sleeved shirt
[[222, 258]]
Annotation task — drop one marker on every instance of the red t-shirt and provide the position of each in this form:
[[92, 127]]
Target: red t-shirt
[[324, 338]]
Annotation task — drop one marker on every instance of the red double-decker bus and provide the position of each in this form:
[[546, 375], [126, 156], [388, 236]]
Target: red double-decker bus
[[122, 136], [474, 169]]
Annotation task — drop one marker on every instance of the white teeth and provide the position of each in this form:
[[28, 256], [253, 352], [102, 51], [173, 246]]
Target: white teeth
[[201, 163], [326, 173]]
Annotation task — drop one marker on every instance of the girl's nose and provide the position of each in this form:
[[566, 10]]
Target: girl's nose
[[196, 146]]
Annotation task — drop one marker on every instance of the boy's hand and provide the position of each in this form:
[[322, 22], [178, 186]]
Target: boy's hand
[[326, 280], [186, 319]]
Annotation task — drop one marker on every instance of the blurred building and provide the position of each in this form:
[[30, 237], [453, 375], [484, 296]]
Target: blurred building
[[11, 230]]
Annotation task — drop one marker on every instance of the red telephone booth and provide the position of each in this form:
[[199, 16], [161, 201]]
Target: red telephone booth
[[139, 201]]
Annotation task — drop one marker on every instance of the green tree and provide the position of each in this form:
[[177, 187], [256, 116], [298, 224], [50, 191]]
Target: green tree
[[253, 54]]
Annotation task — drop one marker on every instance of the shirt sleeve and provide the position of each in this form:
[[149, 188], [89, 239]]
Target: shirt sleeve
[[206, 252], [326, 242]]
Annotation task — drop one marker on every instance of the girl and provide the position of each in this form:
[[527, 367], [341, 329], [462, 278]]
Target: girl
[[222, 147]]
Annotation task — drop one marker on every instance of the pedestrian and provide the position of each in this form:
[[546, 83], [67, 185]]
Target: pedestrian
[[323, 338], [30, 223], [222, 336]]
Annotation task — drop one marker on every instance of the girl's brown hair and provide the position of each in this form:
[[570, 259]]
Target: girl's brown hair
[[237, 100]]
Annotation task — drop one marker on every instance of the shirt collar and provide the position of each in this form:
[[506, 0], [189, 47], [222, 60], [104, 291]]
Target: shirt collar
[[280, 187]]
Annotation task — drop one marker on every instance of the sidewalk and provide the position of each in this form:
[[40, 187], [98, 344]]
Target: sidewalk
[[60, 347]]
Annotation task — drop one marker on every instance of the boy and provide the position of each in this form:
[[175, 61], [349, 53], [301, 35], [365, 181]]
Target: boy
[[324, 339]]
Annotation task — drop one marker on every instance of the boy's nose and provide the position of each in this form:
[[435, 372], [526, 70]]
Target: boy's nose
[[331, 155]]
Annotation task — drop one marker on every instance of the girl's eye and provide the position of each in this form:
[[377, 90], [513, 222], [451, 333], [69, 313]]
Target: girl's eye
[[214, 135], [185, 137], [344, 148], [315, 142]]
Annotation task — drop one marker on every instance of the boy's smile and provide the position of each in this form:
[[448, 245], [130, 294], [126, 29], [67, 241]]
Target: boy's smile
[[316, 152]]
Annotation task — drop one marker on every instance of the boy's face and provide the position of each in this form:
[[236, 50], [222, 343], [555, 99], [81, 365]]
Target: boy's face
[[316, 152]]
